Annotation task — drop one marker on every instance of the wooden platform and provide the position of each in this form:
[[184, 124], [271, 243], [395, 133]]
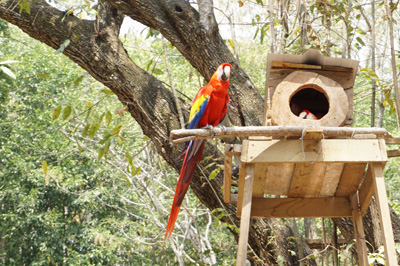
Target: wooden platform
[[314, 177]]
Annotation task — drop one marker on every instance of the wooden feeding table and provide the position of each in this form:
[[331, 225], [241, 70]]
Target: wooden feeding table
[[317, 172]]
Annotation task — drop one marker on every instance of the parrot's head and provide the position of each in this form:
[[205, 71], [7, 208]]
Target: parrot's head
[[305, 114], [224, 72]]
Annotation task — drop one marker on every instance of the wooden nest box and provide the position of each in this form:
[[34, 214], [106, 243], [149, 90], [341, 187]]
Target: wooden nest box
[[313, 82]]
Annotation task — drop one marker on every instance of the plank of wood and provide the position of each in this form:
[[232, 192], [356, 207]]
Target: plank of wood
[[338, 69], [333, 173], [382, 147], [392, 141], [359, 231], [307, 180], [277, 64], [278, 178], [350, 95], [242, 175], [260, 180], [393, 153], [319, 244], [366, 190], [364, 136], [343, 78], [245, 217], [383, 208], [228, 172], [350, 179], [331, 150], [313, 133], [300, 207]]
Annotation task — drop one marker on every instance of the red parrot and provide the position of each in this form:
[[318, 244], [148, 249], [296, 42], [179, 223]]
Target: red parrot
[[208, 110], [305, 114]]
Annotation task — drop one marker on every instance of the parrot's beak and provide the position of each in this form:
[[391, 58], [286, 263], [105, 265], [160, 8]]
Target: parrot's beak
[[224, 77]]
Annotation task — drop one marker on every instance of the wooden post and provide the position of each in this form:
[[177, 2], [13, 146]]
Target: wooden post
[[359, 231], [245, 216], [228, 173], [384, 214]]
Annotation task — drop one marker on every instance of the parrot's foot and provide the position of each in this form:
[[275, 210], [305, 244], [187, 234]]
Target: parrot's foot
[[210, 127], [223, 128]]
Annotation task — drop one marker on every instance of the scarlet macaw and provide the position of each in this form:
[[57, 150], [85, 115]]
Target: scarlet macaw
[[305, 114], [208, 110]]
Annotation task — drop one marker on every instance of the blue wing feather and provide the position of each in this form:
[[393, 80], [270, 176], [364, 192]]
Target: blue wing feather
[[197, 113]]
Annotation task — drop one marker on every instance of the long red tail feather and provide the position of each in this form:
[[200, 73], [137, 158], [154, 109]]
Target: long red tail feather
[[193, 155]]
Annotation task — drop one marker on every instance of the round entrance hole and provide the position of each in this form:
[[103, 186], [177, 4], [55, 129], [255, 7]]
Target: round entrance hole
[[309, 97]]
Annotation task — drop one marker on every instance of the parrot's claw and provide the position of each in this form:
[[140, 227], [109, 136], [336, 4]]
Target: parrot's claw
[[223, 128], [210, 127]]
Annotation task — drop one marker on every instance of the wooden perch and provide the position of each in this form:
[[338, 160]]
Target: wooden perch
[[183, 135]]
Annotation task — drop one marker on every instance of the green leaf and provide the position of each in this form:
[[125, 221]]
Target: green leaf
[[120, 140], [360, 41], [63, 46], [129, 159], [101, 153], [158, 71], [44, 166], [79, 146], [260, 2], [136, 171], [257, 30], [360, 32], [107, 146], [108, 118], [221, 215], [149, 64], [116, 130], [107, 91], [106, 137], [56, 113], [214, 173], [93, 129], [217, 210], [232, 44], [66, 112], [8, 72], [85, 130], [42, 75], [78, 80], [25, 5]]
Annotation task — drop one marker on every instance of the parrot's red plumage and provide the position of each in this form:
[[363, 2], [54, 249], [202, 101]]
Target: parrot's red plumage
[[306, 114], [208, 109]]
